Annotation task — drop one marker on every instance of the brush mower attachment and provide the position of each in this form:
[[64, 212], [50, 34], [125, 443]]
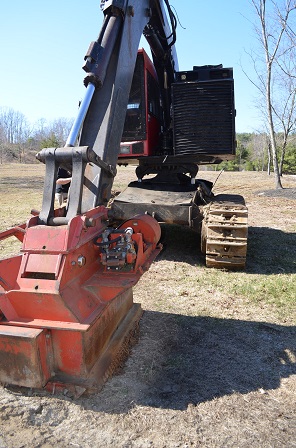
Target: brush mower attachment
[[66, 304]]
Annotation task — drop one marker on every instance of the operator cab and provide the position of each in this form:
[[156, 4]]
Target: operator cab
[[142, 125]]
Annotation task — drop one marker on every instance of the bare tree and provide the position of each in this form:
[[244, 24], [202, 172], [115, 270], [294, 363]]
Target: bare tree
[[14, 124], [285, 104], [2, 143], [277, 40], [14, 132], [61, 128], [19, 140], [260, 152]]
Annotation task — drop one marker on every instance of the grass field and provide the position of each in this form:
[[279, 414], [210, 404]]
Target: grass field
[[215, 365]]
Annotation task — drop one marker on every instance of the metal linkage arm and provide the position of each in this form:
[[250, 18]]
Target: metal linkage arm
[[76, 159]]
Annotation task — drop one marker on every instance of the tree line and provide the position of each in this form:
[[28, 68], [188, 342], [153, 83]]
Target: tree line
[[20, 141], [254, 153]]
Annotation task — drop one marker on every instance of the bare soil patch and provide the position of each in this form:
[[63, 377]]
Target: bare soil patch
[[215, 364]]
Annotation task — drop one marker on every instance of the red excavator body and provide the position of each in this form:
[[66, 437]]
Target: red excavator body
[[66, 304]]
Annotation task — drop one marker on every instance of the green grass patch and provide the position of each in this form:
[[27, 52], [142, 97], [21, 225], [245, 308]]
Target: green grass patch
[[278, 290]]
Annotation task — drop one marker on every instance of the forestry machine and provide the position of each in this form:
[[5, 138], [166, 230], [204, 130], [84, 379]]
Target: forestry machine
[[66, 305]]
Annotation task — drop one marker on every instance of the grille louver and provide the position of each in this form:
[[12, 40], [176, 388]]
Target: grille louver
[[203, 114]]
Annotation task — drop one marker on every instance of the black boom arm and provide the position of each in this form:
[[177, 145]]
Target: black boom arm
[[109, 64]]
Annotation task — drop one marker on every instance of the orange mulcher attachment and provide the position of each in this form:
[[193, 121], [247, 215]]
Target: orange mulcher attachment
[[66, 302]]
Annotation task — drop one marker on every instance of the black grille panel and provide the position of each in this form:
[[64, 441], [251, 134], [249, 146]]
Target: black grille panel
[[138, 148], [203, 114]]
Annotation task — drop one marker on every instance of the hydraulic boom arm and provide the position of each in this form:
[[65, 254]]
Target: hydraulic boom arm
[[93, 145]]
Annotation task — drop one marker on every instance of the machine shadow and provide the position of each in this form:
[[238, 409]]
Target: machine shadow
[[270, 251], [182, 360], [180, 244]]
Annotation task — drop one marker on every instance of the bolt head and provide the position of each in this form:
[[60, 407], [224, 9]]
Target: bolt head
[[81, 260]]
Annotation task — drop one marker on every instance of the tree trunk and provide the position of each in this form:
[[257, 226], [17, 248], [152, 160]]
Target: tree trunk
[[277, 177], [283, 156], [269, 158]]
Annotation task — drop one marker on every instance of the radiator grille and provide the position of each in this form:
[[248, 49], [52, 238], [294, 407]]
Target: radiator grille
[[203, 117]]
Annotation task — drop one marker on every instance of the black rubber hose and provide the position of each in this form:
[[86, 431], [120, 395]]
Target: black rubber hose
[[106, 243]]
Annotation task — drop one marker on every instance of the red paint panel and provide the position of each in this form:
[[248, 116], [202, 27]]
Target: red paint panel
[[46, 238], [41, 263], [68, 352], [21, 363], [9, 268], [37, 305]]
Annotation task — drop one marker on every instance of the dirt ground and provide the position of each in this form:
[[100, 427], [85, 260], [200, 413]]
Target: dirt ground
[[212, 367]]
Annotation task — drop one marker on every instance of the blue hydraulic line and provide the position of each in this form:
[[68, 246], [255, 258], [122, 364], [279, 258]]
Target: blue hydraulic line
[[77, 125]]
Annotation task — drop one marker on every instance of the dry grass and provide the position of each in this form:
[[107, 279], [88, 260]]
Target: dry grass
[[215, 365]]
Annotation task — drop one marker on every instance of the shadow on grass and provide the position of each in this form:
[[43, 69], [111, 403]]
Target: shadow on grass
[[181, 360], [270, 251], [180, 244]]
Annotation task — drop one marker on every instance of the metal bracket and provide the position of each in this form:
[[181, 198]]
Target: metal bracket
[[108, 168], [75, 159], [114, 3]]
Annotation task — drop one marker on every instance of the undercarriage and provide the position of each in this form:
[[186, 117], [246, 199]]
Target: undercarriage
[[172, 197]]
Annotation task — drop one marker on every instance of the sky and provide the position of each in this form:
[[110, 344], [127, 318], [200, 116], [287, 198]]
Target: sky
[[43, 44]]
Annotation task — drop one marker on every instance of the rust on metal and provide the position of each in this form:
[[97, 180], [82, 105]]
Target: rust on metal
[[64, 321], [25, 356]]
